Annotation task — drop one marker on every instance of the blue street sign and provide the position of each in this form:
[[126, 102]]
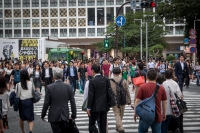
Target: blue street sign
[[193, 49], [186, 41], [120, 21]]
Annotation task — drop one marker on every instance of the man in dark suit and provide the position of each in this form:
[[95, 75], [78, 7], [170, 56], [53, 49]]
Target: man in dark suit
[[72, 75], [181, 71], [47, 75], [57, 96], [97, 100]]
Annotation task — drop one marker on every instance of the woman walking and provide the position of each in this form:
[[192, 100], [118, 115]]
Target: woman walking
[[24, 92], [37, 78], [7, 76]]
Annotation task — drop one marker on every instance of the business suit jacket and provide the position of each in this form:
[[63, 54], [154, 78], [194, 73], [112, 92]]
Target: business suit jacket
[[75, 72], [50, 74], [179, 73], [57, 96], [97, 94]]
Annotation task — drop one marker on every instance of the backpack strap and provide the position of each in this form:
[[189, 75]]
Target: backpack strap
[[156, 90]]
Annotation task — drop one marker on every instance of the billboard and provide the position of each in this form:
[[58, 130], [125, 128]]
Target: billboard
[[9, 48]]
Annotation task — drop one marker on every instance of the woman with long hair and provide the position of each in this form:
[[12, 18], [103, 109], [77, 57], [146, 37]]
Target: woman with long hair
[[7, 76], [37, 77], [5, 101], [24, 91], [30, 71]]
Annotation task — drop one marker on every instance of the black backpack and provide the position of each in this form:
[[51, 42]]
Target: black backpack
[[121, 93]]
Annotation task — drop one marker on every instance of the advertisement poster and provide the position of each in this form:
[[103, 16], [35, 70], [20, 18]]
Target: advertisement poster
[[28, 49], [9, 48]]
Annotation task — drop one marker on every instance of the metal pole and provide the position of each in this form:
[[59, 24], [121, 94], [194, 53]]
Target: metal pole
[[194, 56], [141, 40], [147, 42]]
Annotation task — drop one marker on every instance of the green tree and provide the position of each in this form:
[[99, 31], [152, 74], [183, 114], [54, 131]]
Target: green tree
[[131, 31], [156, 50], [170, 58], [187, 9]]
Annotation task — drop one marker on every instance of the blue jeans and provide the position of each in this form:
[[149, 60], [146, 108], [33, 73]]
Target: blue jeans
[[155, 127], [198, 77], [165, 124], [82, 82]]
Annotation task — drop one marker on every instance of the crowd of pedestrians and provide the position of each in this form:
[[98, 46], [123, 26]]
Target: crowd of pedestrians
[[93, 78]]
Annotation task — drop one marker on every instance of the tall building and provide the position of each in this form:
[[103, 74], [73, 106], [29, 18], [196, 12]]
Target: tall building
[[79, 23]]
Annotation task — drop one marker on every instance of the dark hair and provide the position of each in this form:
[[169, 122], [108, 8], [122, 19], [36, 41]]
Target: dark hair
[[115, 59], [116, 70], [182, 56], [141, 66], [151, 75], [96, 68], [37, 65], [82, 63], [133, 63], [160, 78], [71, 62], [23, 77], [168, 74], [3, 86]]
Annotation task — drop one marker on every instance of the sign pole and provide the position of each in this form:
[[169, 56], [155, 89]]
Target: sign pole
[[194, 55]]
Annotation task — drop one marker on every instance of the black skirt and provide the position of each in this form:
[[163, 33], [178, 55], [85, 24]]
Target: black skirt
[[7, 77], [26, 110], [37, 82]]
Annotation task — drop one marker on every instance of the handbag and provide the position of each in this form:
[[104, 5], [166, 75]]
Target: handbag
[[146, 109], [36, 95], [72, 127], [175, 111], [137, 81], [84, 106], [181, 104]]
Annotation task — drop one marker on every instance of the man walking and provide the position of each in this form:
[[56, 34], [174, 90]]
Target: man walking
[[57, 97], [47, 76], [82, 74], [72, 75], [97, 100]]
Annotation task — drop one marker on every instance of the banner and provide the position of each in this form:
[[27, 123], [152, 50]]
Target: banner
[[9, 48], [28, 49]]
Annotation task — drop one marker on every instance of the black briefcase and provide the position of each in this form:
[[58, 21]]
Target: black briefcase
[[72, 126]]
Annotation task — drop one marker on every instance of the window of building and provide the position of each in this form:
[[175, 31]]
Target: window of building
[[72, 2], [109, 2], [100, 31], [1, 33], [100, 2], [63, 3], [100, 16], [63, 32], [179, 30], [82, 32], [36, 32], [1, 13], [91, 31], [81, 2], [1, 23], [53, 3], [7, 3], [54, 32], [91, 16], [45, 32], [26, 3], [129, 10], [169, 30], [72, 32], [110, 15], [179, 21], [8, 33], [8, 23], [17, 23], [35, 23], [35, 3], [121, 12], [17, 33], [44, 3], [119, 2], [0, 3], [90, 2], [26, 33], [26, 22], [168, 21], [17, 3]]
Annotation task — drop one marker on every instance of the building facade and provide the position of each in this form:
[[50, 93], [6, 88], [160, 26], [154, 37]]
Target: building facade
[[78, 23]]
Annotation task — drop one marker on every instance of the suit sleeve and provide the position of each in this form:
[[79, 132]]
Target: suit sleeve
[[90, 95], [72, 102], [46, 103], [176, 69], [43, 73]]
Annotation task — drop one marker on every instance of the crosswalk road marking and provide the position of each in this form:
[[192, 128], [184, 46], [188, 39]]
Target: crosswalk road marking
[[191, 117]]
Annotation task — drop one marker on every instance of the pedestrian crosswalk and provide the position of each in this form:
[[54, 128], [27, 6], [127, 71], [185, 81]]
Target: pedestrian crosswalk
[[191, 117]]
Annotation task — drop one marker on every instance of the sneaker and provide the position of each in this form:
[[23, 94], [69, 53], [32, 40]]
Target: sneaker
[[187, 87]]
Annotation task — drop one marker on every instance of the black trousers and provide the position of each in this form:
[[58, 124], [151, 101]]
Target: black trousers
[[102, 122], [72, 80], [176, 123], [180, 82], [187, 80], [47, 81], [60, 127]]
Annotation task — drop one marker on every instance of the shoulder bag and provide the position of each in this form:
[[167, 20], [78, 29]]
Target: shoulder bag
[[137, 81], [181, 104], [36, 95], [16, 99]]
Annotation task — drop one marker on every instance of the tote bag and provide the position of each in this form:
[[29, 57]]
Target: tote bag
[[137, 81]]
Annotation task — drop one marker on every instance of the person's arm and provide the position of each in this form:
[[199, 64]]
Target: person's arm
[[11, 76], [164, 107], [79, 77], [46, 103], [90, 97], [72, 103], [110, 71], [86, 74], [136, 103], [1, 126]]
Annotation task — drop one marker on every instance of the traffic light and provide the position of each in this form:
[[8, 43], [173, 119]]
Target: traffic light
[[148, 4], [124, 42], [106, 43]]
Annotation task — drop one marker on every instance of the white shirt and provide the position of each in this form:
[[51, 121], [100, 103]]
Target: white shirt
[[182, 65], [86, 90], [47, 73], [150, 65], [111, 68]]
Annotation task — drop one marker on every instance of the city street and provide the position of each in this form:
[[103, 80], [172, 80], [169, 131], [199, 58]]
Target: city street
[[191, 118]]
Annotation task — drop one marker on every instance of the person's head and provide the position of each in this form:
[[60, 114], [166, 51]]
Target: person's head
[[71, 63], [75, 64], [16, 66], [140, 66], [168, 74], [133, 63], [31, 65], [152, 75], [37, 67], [116, 60], [89, 63], [57, 73], [150, 60], [116, 71], [106, 62], [3, 86], [82, 65], [197, 63], [10, 66], [181, 58], [124, 68], [23, 66], [24, 76], [95, 69], [160, 78], [46, 64]]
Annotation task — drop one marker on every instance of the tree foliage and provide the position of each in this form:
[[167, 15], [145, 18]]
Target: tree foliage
[[170, 58], [156, 50]]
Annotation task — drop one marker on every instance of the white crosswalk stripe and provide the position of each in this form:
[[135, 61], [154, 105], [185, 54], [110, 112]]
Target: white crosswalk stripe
[[191, 117]]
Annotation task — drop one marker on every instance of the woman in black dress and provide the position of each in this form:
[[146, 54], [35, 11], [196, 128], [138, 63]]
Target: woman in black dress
[[24, 92], [7, 76], [37, 77]]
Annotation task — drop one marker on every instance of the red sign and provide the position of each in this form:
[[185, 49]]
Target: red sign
[[192, 32], [193, 36], [193, 41]]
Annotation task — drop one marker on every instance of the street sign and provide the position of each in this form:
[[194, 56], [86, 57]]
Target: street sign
[[192, 32], [193, 36], [193, 45], [120, 21], [193, 41], [193, 49], [186, 41], [133, 4]]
